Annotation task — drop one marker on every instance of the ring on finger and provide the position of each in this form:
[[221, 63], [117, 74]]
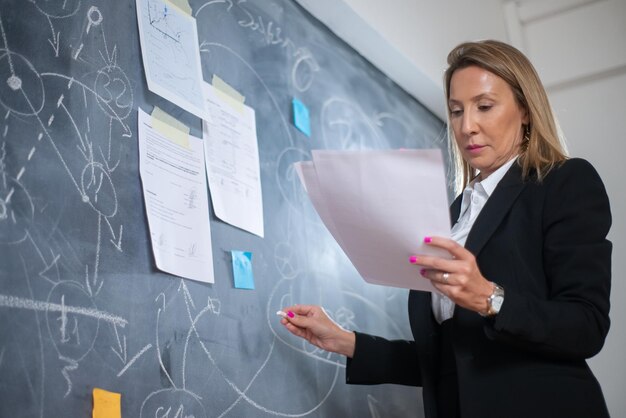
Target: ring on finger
[[445, 276]]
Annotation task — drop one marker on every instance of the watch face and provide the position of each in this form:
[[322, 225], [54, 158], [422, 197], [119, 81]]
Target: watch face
[[496, 303]]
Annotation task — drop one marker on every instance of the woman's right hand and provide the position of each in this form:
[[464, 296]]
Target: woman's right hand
[[313, 324]]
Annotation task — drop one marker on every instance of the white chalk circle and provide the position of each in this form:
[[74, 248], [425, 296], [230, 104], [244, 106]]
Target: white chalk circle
[[21, 88], [172, 403], [94, 16], [114, 92]]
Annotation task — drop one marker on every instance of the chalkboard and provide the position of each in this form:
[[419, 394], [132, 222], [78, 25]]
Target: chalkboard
[[81, 302]]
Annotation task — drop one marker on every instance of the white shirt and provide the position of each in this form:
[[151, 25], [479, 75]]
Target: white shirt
[[474, 198]]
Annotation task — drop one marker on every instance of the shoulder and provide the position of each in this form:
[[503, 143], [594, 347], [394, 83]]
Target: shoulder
[[575, 186], [573, 167], [575, 173]]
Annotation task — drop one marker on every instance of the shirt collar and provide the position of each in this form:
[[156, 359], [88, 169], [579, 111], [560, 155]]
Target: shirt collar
[[489, 184], [486, 187]]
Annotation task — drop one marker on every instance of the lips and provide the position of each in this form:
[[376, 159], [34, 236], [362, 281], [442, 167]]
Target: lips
[[474, 147]]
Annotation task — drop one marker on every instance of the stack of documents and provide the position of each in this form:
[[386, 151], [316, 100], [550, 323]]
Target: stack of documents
[[379, 206]]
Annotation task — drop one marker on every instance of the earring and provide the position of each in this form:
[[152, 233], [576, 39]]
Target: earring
[[526, 133]]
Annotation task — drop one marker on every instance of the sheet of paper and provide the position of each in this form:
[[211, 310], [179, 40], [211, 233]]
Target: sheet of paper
[[308, 177], [382, 205], [171, 55], [177, 205], [232, 163]]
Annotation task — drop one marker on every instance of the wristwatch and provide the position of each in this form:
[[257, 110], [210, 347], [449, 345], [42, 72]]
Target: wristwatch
[[495, 301]]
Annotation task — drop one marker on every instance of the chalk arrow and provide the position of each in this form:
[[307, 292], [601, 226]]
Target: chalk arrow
[[186, 293], [118, 244], [54, 42], [121, 345], [127, 132]]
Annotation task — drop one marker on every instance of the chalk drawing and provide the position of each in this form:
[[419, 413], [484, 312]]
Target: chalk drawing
[[305, 65], [57, 9]]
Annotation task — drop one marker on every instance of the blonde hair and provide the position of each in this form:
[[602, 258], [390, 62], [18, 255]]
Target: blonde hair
[[544, 147]]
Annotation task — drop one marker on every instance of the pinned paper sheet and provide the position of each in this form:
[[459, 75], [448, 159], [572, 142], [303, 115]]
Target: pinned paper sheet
[[106, 404], [171, 54], [242, 269], [175, 194], [170, 127], [228, 93], [232, 163], [301, 117]]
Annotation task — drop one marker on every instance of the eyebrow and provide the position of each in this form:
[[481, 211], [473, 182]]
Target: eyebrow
[[475, 98]]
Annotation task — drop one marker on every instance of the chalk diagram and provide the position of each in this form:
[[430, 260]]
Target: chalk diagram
[[65, 305], [304, 67], [62, 287]]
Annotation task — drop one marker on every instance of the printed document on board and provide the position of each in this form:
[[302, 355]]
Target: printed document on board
[[170, 54], [177, 205], [232, 162]]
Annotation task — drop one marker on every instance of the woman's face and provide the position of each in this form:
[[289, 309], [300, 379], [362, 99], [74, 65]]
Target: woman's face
[[486, 119]]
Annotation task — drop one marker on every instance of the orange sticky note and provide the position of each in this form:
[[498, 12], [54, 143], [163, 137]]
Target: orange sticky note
[[106, 404]]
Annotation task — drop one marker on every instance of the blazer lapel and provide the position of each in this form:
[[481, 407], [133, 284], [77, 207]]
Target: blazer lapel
[[497, 206], [455, 209]]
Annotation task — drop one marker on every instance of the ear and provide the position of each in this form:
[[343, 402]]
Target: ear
[[525, 117]]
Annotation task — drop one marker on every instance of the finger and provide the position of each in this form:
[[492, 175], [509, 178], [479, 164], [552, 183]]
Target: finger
[[444, 289], [450, 245], [302, 316], [434, 263], [303, 310], [436, 276], [297, 331]]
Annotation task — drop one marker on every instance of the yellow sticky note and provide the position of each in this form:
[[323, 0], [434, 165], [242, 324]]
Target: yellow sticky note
[[228, 93], [183, 5], [170, 127], [106, 404]]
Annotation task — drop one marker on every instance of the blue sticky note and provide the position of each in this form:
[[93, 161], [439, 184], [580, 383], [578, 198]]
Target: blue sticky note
[[301, 117], [242, 269]]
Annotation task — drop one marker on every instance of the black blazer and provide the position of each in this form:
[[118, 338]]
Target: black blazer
[[545, 243]]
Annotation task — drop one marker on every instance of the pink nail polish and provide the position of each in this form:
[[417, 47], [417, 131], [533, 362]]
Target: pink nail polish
[[412, 259], [290, 314], [422, 271], [427, 239]]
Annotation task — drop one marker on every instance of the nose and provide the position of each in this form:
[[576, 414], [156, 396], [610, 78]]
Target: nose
[[468, 124]]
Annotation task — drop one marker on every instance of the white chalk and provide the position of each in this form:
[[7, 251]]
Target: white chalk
[[281, 313]]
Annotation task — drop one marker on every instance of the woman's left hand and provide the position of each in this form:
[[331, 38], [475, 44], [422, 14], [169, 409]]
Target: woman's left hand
[[459, 278]]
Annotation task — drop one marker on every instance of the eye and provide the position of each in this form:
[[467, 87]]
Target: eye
[[484, 108], [455, 112]]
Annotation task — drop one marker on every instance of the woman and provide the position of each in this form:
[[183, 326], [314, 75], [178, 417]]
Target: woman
[[524, 300]]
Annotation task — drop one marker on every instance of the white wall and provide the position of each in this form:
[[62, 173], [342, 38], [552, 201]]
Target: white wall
[[579, 49], [409, 39]]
